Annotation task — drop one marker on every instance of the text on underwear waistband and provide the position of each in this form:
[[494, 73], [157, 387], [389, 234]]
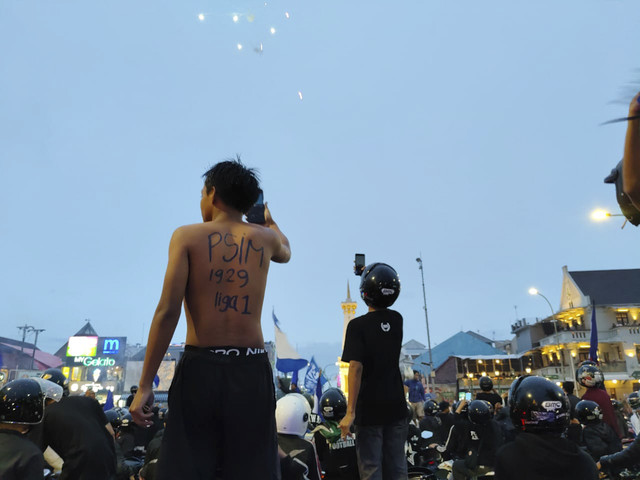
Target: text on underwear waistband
[[228, 351]]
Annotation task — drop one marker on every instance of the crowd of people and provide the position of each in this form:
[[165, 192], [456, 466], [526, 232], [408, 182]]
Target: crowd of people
[[223, 420], [43, 428]]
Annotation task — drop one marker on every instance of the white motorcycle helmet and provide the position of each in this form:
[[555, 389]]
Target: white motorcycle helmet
[[292, 414]]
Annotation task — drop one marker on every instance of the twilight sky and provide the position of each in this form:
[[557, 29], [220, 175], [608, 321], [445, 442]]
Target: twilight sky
[[464, 131]]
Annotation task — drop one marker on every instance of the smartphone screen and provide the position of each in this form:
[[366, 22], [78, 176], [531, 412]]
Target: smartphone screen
[[468, 397]]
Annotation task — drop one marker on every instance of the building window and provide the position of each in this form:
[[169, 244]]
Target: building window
[[622, 318]]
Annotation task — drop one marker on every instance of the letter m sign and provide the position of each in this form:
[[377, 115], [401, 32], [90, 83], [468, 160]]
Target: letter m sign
[[111, 346]]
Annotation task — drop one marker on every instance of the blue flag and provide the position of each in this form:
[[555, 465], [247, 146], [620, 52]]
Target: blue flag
[[287, 359], [156, 381], [593, 348], [311, 377], [108, 404]]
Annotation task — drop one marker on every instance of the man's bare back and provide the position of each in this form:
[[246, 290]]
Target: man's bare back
[[228, 266], [219, 270]]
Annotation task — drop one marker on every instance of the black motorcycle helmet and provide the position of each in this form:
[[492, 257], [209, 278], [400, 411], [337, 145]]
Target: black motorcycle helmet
[[634, 400], [589, 375], [56, 376], [538, 405], [480, 412], [113, 417], [22, 402], [588, 412], [486, 384], [380, 285], [333, 405], [431, 408]]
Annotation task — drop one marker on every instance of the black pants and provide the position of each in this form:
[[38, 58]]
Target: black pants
[[221, 417]]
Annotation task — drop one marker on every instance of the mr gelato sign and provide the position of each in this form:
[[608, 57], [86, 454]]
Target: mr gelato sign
[[94, 361], [92, 351]]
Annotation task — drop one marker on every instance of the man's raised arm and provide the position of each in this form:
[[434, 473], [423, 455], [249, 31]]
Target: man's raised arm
[[283, 252], [163, 326], [631, 162]]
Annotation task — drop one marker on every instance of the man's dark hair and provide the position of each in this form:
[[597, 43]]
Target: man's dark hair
[[236, 185], [416, 371], [568, 387]]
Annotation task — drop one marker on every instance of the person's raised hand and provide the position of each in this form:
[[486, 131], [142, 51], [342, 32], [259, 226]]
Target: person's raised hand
[[141, 407]]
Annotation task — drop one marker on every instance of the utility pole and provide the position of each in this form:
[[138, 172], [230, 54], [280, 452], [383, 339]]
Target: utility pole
[[25, 328], [426, 317], [33, 354]]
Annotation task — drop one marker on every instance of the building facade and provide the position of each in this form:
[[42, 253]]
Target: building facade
[[607, 301]]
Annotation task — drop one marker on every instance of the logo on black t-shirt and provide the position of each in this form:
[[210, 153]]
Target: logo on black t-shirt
[[385, 326]]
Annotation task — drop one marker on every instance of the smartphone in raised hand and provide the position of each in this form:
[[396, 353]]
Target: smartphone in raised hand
[[256, 212]]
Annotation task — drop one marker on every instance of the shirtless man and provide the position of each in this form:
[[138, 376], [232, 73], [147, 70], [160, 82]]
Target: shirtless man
[[222, 400]]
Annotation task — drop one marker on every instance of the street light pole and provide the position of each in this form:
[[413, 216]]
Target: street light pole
[[426, 317], [534, 291], [25, 328], [33, 354]]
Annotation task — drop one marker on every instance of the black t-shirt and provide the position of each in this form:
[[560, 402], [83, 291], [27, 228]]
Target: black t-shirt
[[490, 397], [20, 459], [75, 428], [338, 459], [375, 340]]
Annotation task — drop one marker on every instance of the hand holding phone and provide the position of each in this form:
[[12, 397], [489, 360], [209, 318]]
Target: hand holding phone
[[359, 264], [256, 212]]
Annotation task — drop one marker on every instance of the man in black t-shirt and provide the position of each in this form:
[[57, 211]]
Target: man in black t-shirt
[[75, 428], [376, 402]]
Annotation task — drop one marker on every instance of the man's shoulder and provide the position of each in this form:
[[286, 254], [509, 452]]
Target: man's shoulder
[[233, 229]]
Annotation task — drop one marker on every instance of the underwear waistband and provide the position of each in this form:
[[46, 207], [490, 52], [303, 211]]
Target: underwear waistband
[[229, 354]]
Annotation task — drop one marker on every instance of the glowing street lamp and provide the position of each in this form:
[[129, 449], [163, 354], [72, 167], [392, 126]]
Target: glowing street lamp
[[600, 215]]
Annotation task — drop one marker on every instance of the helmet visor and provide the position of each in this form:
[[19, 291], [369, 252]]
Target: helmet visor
[[49, 389]]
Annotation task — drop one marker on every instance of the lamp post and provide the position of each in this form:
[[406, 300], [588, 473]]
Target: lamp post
[[600, 215], [426, 317], [534, 291]]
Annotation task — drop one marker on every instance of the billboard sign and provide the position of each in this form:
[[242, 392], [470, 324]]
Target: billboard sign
[[82, 346]]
